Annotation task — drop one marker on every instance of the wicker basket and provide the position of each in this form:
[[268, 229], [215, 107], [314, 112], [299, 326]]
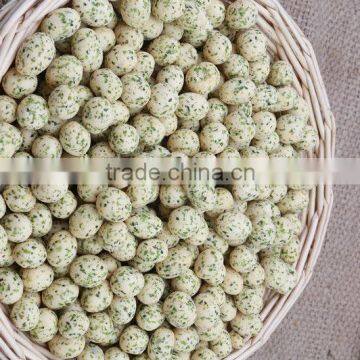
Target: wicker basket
[[20, 18]]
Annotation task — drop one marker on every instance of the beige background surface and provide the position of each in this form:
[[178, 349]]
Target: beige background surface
[[324, 324]]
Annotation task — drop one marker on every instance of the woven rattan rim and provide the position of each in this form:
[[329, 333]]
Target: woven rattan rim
[[20, 18]]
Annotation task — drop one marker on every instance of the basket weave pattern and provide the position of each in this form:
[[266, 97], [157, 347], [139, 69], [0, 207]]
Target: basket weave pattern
[[20, 18]]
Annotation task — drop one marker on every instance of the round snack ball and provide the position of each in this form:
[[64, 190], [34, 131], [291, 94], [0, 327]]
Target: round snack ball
[[113, 205], [203, 353], [61, 293], [263, 233], [288, 99], [233, 226], [11, 140], [133, 340], [73, 324], [281, 74], [17, 85], [290, 252], [252, 44], [301, 109], [49, 193], [215, 12], [152, 250], [29, 254], [233, 282], [83, 95], [255, 277], [135, 13], [97, 115], [19, 198], [279, 276], [145, 64], [86, 47], [187, 282], [192, 107], [46, 328], [161, 343], [266, 95], [166, 11], [193, 17], [237, 91], [115, 353], [165, 50], [236, 66], [136, 91], [126, 249], [18, 227], [25, 315], [74, 138], [184, 222], [249, 301], [265, 123], [150, 129], [94, 13], [228, 310], [122, 310], [129, 36], [209, 266], [7, 109], [102, 330], [32, 112], [150, 317], [214, 138], [153, 289], [91, 352], [152, 28], [37, 279], [186, 339], [207, 311], [103, 82], [217, 48], [202, 78], [242, 259], [144, 224], [124, 139], [241, 14], [171, 75], [11, 288], [179, 310], [90, 246], [46, 146], [106, 38], [163, 101], [88, 271], [126, 281], [173, 30], [61, 23], [114, 237], [290, 129], [6, 258], [66, 348], [309, 140], [121, 59], [222, 346], [28, 61], [121, 113], [188, 57], [246, 325], [61, 249], [172, 196], [260, 69], [64, 207], [241, 129], [142, 193]]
